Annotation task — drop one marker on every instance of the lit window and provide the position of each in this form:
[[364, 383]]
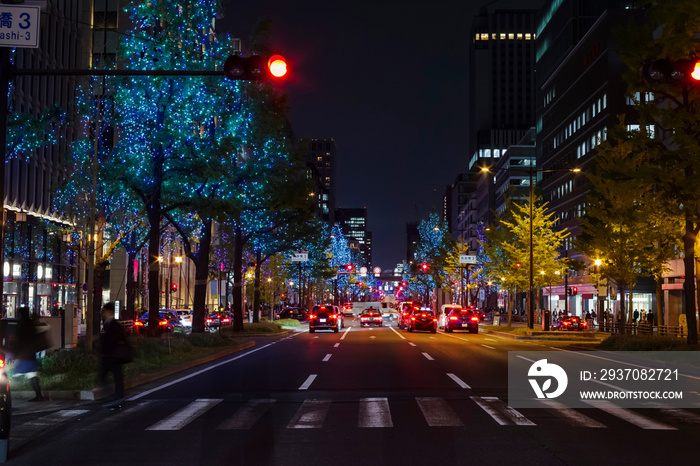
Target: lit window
[[484, 36], [511, 36], [527, 37], [520, 36], [503, 36]]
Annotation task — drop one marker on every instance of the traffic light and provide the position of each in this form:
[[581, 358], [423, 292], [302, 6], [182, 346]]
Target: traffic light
[[574, 291], [568, 291], [684, 71], [424, 267], [255, 67], [348, 267], [173, 287]]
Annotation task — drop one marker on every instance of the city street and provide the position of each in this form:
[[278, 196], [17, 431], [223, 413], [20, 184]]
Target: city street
[[370, 396]]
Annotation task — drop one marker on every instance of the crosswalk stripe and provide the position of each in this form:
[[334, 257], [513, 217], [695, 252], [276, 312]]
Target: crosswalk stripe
[[374, 412], [310, 415], [501, 412], [307, 383], [33, 427], [119, 417], [572, 416], [682, 415], [248, 415], [189, 413], [458, 381], [632, 417], [437, 412]]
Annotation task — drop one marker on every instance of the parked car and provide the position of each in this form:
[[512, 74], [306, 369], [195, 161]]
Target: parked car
[[325, 316], [371, 316], [293, 313], [569, 323], [462, 319], [185, 316], [167, 322], [422, 319]]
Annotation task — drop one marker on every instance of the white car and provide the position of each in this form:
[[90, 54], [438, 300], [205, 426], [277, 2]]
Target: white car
[[444, 310], [185, 316]]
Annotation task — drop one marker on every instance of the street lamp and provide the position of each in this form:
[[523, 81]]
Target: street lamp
[[531, 172]]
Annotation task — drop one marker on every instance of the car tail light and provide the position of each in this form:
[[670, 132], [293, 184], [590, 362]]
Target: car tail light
[[227, 320], [434, 320], [476, 319], [454, 318], [312, 316], [2, 363], [163, 322], [209, 320], [136, 324], [334, 316], [413, 318]]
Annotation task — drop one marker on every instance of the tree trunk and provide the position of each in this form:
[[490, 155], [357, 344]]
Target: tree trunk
[[129, 310], [510, 305], [238, 278], [200, 260], [256, 294], [98, 287], [153, 267], [689, 284], [623, 311], [660, 303]]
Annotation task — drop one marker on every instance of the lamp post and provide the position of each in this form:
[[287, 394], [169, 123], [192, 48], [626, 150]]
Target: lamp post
[[531, 196]]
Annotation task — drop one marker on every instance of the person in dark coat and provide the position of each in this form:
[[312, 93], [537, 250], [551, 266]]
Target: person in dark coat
[[25, 351], [112, 336]]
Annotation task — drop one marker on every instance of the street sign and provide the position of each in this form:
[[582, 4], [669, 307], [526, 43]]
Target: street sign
[[300, 257], [19, 26], [363, 271], [377, 270], [467, 259]]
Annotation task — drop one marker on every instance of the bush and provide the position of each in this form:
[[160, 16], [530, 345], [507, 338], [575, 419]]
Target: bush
[[288, 323], [619, 342]]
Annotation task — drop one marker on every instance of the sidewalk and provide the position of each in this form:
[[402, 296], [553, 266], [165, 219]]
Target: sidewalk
[[538, 334]]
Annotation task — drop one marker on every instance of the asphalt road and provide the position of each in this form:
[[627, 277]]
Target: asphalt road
[[370, 396]]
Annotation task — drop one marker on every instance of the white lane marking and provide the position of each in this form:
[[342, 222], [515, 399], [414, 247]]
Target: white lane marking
[[189, 413], [428, 357], [527, 359], [336, 345], [411, 343], [682, 415], [572, 416], [247, 416], [315, 337], [206, 369], [372, 337], [374, 412], [400, 336], [459, 381], [490, 339], [437, 412], [632, 417], [310, 415], [309, 380], [29, 429], [501, 412], [454, 336], [346, 333], [328, 356], [487, 346]]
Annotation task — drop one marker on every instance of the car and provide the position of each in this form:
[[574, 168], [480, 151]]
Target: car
[[569, 323], [5, 409], [404, 311], [422, 319], [167, 322], [185, 316], [462, 319], [445, 309], [371, 316], [325, 316], [347, 309], [390, 315], [295, 313]]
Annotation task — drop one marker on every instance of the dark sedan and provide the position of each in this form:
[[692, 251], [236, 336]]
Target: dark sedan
[[325, 317], [422, 319], [293, 313], [462, 319]]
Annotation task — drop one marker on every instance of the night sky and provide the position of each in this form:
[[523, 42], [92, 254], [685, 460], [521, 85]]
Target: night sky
[[388, 81]]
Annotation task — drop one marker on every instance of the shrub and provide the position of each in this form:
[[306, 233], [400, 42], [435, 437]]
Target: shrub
[[619, 342]]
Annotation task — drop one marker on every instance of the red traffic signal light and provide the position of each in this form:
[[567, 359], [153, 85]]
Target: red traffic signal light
[[349, 267], [424, 267], [574, 291], [672, 71], [255, 67], [173, 287]]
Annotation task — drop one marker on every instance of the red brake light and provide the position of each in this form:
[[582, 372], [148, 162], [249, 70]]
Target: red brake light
[[413, 318], [2, 363], [334, 316], [476, 318], [454, 318]]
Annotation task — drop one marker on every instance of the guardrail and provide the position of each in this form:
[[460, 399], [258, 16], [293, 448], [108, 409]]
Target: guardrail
[[644, 328]]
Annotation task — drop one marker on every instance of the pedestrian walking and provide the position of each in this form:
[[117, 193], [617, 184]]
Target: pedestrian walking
[[635, 316], [28, 344], [114, 350], [650, 318]]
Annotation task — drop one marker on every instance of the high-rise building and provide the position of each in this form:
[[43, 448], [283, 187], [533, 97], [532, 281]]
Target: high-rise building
[[353, 223], [501, 96], [39, 268], [321, 155]]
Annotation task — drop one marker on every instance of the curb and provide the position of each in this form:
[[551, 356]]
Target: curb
[[99, 393], [552, 338]]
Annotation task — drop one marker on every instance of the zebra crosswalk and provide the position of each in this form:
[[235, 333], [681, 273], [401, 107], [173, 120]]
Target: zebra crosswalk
[[371, 413]]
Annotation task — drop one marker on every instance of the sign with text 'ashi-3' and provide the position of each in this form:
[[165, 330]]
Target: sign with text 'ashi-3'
[[19, 26]]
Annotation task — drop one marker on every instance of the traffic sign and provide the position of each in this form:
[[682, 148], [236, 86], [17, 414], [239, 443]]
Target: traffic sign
[[300, 257], [19, 26], [467, 259], [377, 270]]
